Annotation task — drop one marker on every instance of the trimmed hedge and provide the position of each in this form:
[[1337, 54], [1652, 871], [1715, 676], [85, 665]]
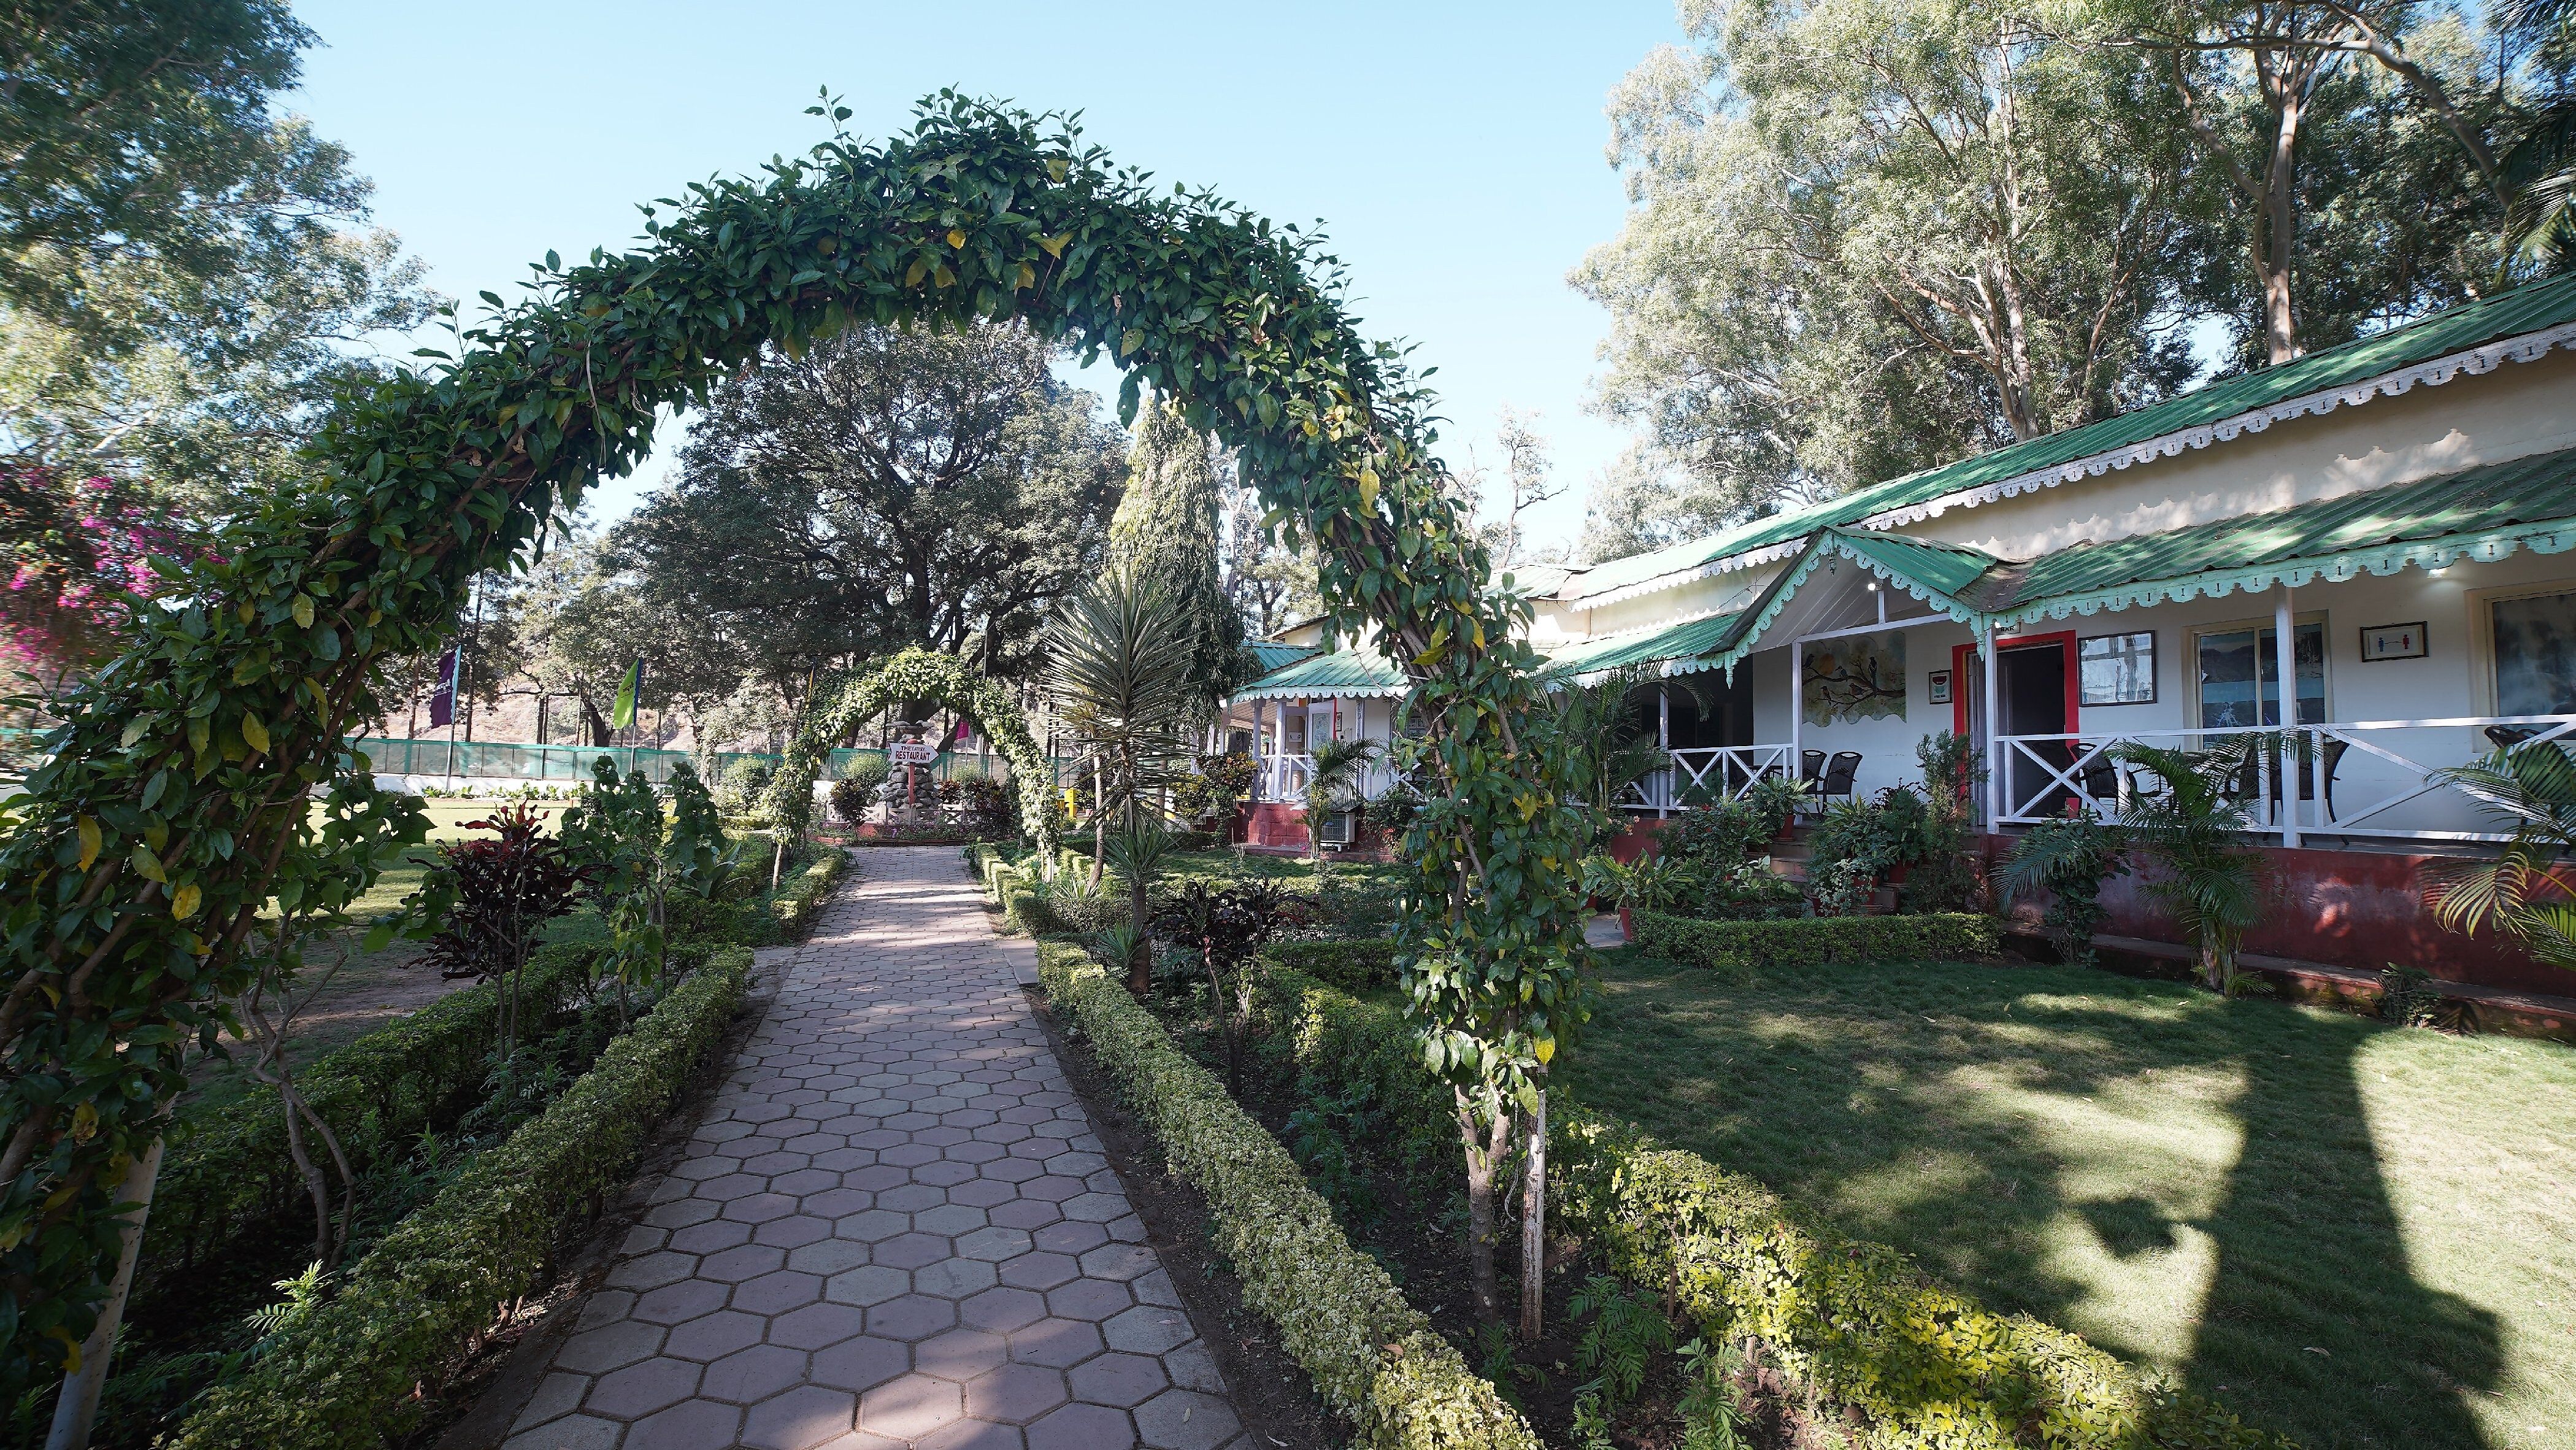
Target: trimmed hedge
[[1374, 1357], [231, 1169], [1805, 941], [800, 897], [347, 1373], [1929, 1369], [1348, 964]]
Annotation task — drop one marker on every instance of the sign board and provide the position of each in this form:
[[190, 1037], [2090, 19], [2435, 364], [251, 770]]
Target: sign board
[[2393, 641], [912, 752]]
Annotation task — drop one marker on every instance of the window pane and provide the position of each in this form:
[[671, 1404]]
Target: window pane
[[2233, 665], [2535, 655], [2118, 669]]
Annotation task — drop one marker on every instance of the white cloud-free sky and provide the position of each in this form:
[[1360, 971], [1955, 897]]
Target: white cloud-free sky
[[1452, 151]]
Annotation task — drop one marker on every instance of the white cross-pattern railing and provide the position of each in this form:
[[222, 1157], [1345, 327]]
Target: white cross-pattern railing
[[1285, 778], [1719, 772], [2354, 778]]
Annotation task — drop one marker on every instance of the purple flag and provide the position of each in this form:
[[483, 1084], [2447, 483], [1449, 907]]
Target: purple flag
[[442, 701]]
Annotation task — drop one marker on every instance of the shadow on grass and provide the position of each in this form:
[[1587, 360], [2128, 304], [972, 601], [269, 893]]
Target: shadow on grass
[[2189, 1182]]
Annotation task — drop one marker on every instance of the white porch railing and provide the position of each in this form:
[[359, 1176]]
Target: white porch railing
[[1285, 777], [1724, 772], [2354, 778]]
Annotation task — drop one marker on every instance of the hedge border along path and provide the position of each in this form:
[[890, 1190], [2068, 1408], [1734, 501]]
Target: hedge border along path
[[843, 701], [1933, 1369], [346, 1374], [1373, 1356], [173, 805]]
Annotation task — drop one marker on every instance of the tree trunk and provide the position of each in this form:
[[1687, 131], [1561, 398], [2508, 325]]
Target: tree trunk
[[1534, 1225], [1140, 957], [77, 1409], [1486, 1149]]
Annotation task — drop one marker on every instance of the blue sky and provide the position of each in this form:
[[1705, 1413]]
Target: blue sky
[[1454, 152]]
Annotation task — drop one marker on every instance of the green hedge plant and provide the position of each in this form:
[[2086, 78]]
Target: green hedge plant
[[347, 1373], [1807, 941]]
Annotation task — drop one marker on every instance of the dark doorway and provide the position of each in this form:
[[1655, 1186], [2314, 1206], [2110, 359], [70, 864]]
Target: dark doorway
[[2031, 683]]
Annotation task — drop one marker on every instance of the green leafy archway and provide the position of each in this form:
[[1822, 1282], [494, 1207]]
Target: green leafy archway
[[841, 703], [175, 805]]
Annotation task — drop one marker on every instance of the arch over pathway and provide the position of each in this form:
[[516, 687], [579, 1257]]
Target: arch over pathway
[[844, 701], [174, 805]]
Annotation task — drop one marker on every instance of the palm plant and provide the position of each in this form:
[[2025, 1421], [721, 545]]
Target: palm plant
[[1615, 746], [2212, 883], [2538, 170], [1333, 784], [1121, 682], [2521, 892], [2069, 859]]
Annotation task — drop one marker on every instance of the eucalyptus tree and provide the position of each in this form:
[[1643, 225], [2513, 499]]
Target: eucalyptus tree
[[1870, 235]]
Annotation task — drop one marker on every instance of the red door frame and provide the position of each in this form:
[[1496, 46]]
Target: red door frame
[[1963, 656]]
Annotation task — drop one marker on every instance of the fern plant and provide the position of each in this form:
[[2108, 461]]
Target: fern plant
[[1712, 1414], [2070, 859]]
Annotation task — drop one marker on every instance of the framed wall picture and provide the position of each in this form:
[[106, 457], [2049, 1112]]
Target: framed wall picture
[[1940, 687], [2117, 669], [2392, 642]]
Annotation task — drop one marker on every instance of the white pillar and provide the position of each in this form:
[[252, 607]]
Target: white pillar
[[2285, 655], [1664, 743], [1797, 705], [1997, 767]]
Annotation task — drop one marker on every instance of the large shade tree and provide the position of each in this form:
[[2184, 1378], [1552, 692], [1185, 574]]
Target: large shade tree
[[1167, 532], [885, 488]]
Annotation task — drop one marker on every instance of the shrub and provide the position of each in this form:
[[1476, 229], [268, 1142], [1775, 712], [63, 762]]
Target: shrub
[[1750, 892], [1714, 838], [2069, 859], [494, 894], [852, 799], [1350, 965], [1737, 945], [800, 897], [348, 1372], [1374, 1358], [981, 804]]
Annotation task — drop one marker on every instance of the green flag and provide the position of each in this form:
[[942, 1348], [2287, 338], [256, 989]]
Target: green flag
[[622, 714]]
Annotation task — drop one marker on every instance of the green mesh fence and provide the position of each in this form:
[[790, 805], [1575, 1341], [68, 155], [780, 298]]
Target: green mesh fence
[[570, 764]]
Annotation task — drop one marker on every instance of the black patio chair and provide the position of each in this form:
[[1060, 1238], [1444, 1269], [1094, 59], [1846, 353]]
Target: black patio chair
[[2101, 778], [2507, 737], [1837, 780], [1811, 767]]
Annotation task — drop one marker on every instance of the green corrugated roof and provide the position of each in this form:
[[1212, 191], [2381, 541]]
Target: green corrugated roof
[[1948, 568], [1687, 640], [2525, 309], [2485, 512], [1332, 674], [1278, 654]]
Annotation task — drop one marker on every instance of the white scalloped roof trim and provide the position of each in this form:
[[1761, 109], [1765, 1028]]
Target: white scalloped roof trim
[[2529, 347], [2554, 537], [1797, 579], [1328, 692]]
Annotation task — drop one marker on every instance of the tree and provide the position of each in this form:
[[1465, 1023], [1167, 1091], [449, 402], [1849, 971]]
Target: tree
[[569, 628], [1527, 482], [1270, 581], [2538, 173], [1166, 529], [2339, 128], [1871, 235], [886, 488], [184, 275], [2192, 830]]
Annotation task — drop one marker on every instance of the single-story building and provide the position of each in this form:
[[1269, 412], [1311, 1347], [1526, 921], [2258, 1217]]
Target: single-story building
[[2381, 524]]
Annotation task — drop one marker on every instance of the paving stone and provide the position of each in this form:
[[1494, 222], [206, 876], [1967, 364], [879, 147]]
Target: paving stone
[[893, 1230]]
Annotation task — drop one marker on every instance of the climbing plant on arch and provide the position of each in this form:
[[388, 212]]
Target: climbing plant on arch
[[174, 805], [843, 702]]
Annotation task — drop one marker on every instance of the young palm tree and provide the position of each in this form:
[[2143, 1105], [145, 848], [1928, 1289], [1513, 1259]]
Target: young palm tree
[[2539, 169], [2522, 892], [1121, 683], [2191, 828], [1616, 747], [1333, 784]]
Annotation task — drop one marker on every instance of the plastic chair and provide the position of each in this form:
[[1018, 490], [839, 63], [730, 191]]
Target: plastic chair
[[1838, 774]]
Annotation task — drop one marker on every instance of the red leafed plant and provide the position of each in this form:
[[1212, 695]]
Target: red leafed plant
[[495, 893]]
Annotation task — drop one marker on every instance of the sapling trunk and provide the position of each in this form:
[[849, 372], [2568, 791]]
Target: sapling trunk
[[1487, 1149], [1140, 956], [76, 1411], [1534, 1223]]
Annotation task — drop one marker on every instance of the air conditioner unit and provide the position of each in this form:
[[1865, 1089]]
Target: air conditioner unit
[[1337, 829]]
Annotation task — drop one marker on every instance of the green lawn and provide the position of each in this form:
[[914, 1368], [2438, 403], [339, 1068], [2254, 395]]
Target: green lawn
[[2361, 1236]]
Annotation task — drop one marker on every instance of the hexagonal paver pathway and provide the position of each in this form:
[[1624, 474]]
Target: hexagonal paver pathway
[[894, 1226]]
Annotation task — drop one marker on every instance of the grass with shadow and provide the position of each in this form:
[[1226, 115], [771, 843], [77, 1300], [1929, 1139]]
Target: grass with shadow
[[2359, 1235]]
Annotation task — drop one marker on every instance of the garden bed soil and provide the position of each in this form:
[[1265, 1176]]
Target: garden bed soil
[[1272, 1394]]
